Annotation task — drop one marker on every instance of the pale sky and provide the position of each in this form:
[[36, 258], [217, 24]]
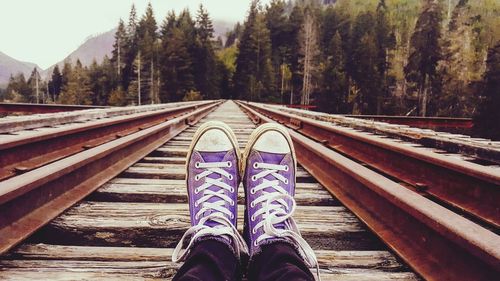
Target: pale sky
[[46, 31]]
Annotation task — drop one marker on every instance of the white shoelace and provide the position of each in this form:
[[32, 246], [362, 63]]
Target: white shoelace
[[218, 214], [275, 210]]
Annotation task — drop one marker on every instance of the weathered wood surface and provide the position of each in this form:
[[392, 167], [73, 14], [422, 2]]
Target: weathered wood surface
[[127, 228], [162, 225], [174, 191], [42, 260], [176, 171]]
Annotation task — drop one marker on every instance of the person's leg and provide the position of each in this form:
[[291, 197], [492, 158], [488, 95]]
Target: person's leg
[[278, 262], [277, 251], [210, 260], [212, 179]]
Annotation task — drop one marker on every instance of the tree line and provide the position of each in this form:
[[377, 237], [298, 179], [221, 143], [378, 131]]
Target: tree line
[[411, 57]]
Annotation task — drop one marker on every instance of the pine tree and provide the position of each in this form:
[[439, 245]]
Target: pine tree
[[385, 42], [461, 64], [310, 53], [279, 28], [18, 89], [120, 50], [34, 82], [425, 54], [254, 75], [147, 37], [132, 49], [204, 66], [55, 83], [296, 21], [176, 68], [77, 90], [233, 35], [488, 117], [334, 87], [362, 65]]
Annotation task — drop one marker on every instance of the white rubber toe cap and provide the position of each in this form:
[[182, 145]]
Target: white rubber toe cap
[[213, 140], [272, 142]]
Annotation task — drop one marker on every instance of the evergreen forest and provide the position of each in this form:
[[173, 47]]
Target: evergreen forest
[[384, 57]]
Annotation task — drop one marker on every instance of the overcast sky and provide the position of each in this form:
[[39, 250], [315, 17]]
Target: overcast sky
[[46, 31]]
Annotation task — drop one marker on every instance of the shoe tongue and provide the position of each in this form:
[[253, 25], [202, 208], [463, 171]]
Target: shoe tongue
[[272, 158], [210, 157]]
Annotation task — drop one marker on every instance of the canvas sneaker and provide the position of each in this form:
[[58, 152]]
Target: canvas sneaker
[[269, 167], [212, 179]]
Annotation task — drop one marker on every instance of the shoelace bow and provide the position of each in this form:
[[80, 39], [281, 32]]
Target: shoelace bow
[[217, 210], [275, 210]]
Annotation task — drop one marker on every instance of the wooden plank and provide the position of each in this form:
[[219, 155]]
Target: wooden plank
[[174, 191], [57, 261], [99, 270], [189, 139], [172, 171], [164, 160], [161, 225], [381, 260]]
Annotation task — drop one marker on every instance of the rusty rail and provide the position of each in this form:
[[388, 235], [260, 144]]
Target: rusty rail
[[436, 242], [434, 123], [30, 200], [24, 153], [472, 188], [42, 108]]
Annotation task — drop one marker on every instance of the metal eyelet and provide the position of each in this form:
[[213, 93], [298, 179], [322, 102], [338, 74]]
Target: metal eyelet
[[231, 203], [252, 191], [197, 165], [229, 164], [196, 178], [252, 204], [196, 204], [254, 178], [231, 216], [231, 189], [255, 243], [286, 168], [254, 231], [230, 177], [286, 181], [255, 165], [196, 191], [252, 218]]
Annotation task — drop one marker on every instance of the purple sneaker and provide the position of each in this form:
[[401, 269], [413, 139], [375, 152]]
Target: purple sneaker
[[269, 166], [212, 179]]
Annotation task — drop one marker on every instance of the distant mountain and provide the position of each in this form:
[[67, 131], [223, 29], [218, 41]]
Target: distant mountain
[[12, 66], [222, 27], [95, 47]]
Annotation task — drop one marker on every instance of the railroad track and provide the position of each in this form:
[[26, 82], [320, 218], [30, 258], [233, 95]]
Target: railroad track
[[458, 125], [31, 108], [128, 226]]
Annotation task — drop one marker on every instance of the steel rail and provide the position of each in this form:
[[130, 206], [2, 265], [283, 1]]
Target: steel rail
[[470, 187], [31, 200], [421, 122], [26, 122], [23, 153], [42, 108], [437, 243], [481, 149]]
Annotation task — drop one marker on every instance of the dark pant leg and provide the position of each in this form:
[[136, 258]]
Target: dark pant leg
[[278, 262], [210, 260]]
